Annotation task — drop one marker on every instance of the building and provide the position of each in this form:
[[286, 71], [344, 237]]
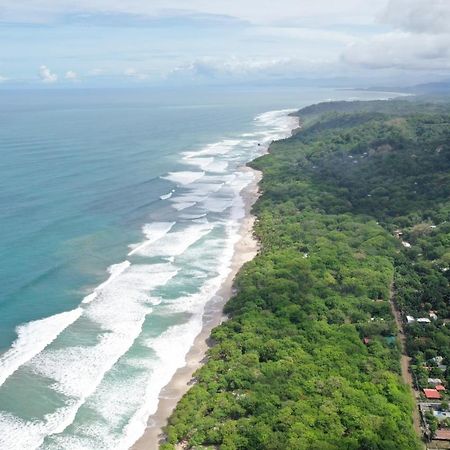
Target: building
[[441, 415], [433, 315], [442, 435], [432, 394], [423, 320]]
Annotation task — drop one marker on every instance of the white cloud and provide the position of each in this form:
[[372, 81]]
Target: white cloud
[[401, 50], [419, 42], [3, 79], [46, 75], [418, 16], [131, 72], [242, 68], [286, 38], [70, 75]]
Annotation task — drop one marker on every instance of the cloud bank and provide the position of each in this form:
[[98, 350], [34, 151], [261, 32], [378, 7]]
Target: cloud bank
[[129, 41], [418, 16], [419, 42]]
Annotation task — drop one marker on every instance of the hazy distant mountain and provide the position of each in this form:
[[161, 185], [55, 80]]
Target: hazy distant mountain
[[441, 87]]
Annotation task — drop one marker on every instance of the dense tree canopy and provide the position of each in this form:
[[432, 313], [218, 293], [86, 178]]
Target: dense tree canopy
[[309, 359]]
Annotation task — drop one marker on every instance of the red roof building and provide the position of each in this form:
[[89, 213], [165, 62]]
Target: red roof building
[[432, 394], [439, 387], [442, 434]]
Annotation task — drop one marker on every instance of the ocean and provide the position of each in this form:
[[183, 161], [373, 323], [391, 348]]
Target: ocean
[[119, 210]]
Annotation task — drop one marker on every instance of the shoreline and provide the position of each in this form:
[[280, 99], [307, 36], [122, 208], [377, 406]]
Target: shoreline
[[245, 249]]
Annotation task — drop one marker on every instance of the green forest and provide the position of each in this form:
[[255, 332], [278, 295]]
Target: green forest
[[355, 207]]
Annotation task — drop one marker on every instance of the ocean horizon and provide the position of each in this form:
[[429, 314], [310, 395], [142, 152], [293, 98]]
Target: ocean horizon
[[119, 213]]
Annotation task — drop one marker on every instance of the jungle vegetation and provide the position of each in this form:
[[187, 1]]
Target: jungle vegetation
[[309, 359]]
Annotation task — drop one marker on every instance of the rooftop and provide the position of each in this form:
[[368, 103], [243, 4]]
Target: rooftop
[[432, 393], [443, 434]]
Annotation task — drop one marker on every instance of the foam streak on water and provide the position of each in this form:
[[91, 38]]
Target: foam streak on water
[[105, 363], [153, 232], [32, 338]]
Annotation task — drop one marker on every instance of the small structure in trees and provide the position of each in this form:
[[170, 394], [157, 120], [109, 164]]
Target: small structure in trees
[[432, 394]]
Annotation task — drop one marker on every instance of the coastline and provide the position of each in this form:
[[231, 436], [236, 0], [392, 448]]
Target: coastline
[[245, 249]]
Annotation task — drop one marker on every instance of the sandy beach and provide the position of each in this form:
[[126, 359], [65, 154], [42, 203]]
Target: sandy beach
[[245, 249]]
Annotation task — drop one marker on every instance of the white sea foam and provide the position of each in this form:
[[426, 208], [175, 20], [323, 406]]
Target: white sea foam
[[180, 205], [124, 302], [203, 163], [32, 338], [194, 195], [177, 242], [152, 231], [218, 166], [205, 188], [115, 270], [116, 399], [172, 346], [19, 434], [119, 309], [187, 200], [193, 217], [183, 177], [242, 180], [278, 123], [208, 164], [216, 179], [217, 204], [168, 195]]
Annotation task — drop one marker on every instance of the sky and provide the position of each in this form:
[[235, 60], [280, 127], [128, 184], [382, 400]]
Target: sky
[[83, 43]]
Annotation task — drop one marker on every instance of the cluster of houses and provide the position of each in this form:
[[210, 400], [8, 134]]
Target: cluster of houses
[[437, 408], [434, 393], [436, 390], [432, 316]]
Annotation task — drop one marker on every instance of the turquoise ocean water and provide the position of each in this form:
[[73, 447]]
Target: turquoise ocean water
[[119, 210]]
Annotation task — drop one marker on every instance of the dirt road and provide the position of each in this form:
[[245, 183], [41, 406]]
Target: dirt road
[[405, 361]]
